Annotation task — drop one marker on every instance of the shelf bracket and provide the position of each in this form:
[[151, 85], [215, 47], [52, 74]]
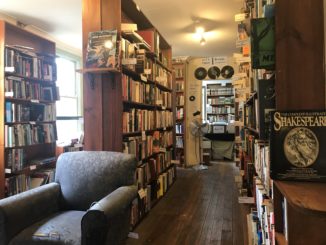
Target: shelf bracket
[[91, 78]]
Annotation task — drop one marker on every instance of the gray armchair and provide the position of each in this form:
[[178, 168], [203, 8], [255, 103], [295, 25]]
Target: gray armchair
[[89, 203]]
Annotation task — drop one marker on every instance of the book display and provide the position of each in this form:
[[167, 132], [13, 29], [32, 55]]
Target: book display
[[129, 104], [179, 68], [280, 137], [28, 101]]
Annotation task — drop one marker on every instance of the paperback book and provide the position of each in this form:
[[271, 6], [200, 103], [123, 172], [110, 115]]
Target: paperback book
[[102, 49], [297, 145]]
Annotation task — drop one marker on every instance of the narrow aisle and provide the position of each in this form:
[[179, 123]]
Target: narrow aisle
[[200, 208]]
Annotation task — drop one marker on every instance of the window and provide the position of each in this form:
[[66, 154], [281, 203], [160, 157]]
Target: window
[[69, 107]]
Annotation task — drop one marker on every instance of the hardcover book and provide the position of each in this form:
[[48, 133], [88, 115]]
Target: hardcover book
[[297, 145], [263, 43], [101, 49]]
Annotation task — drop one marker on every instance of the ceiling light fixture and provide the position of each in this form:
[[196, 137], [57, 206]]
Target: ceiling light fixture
[[202, 41]]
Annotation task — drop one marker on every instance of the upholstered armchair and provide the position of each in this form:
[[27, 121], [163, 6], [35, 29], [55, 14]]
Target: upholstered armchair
[[89, 203]]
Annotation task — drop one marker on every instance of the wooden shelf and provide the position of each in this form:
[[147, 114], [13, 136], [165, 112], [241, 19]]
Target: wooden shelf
[[163, 88], [30, 122], [306, 197], [221, 95], [32, 145], [180, 91], [29, 101], [139, 105], [222, 105], [31, 168], [32, 79], [98, 70]]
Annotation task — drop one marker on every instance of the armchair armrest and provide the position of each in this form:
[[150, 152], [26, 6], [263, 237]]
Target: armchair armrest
[[116, 201], [21, 210], [95, 223]]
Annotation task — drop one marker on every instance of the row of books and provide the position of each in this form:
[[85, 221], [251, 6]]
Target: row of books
[[163, 98], [147, 195], [220, 110], [220, 91], [20, 183], [138, 120], [179, 72], [179, 86], [21, 88], [179, 142], [153, 168], [144, 146], [28, 64], [35, 112], [179, 113], [141, 120], [15, 160], [220, 118], [180, 100], [179, 128], [220, 100], [262, 164], [29, 134]]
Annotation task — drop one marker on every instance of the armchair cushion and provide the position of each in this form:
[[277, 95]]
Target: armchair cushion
[[59, 228]]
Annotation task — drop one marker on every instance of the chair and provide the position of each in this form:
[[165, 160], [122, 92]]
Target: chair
[[89, 203]]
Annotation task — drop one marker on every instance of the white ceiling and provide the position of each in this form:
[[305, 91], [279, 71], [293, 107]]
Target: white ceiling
[[174, 19]]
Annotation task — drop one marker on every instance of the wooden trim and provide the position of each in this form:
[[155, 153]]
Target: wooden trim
[[2, 112]]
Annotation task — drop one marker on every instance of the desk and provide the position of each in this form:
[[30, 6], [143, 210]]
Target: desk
[[222, 145]]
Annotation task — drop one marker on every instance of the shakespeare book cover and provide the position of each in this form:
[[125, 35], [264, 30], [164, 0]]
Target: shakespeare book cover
[[101, 49], [297, 145]]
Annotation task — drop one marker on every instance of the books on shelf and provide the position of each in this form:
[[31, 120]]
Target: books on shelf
[[102, 49], [297, 144]]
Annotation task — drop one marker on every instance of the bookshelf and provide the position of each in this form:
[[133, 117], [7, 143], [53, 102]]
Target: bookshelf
[[130, 108], [179, 68], [220, 102], [28, 94], [288, 212]]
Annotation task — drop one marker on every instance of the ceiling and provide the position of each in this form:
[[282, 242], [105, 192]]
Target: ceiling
[[174, 19]]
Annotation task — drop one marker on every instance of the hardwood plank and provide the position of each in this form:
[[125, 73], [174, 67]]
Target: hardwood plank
[[198, 209]]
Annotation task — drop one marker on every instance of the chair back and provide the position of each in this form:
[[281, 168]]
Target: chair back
[[87, 176]]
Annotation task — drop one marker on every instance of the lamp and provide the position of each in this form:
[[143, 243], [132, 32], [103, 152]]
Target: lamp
[[202, 41]]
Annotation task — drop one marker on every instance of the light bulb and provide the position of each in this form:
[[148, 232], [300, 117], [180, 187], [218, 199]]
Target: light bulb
[[108, 44], [202, 41], [200, 30]]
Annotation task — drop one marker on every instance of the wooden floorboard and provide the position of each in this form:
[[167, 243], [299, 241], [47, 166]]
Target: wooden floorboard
[[200, 208]]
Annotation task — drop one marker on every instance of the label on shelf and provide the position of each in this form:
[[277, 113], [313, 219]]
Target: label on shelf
[[175, 161], [32, 167], [35, 101], [32, 122], [239, 17], [147, 71], [143, 136], [9, 94], [242, 172], [142, 193], [162, 149], [245, 199], [9, 69], [129, 61], [7, 171], [159, 102], [143, 78], [163, 108]]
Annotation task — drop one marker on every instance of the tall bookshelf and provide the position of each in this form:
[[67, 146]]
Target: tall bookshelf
[[220, 102], [179, 68], [283, 206], [130, 108], [27, 95]]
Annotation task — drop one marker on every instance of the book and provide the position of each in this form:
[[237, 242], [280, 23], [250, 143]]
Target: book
[[297, 144], [101, 49], [263, 43]]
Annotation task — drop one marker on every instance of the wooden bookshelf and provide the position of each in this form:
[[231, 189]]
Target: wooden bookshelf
[[28, 74], [179, 71], [128, 108]]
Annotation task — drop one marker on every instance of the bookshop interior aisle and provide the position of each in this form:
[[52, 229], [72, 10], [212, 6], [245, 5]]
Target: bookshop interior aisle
[[200, 208]]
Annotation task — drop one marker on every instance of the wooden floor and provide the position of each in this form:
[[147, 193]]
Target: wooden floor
[[200, 208]]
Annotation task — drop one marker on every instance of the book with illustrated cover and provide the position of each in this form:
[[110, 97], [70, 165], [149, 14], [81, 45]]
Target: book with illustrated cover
[[263, 43], [101, 49], [297, 146]]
